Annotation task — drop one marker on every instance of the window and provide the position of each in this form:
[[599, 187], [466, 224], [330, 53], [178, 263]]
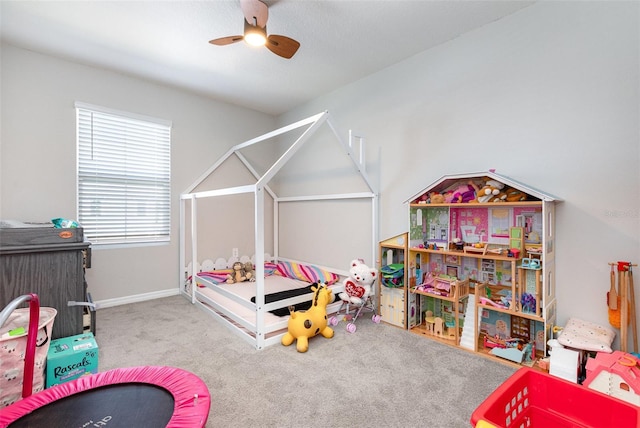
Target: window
[[124, 176]]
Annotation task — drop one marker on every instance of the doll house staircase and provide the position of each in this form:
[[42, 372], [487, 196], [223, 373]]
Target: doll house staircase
[[467, 339]]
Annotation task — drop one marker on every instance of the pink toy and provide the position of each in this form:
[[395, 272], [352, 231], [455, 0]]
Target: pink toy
[[486, 301], [616, 374], [448, 197], [464, 193]]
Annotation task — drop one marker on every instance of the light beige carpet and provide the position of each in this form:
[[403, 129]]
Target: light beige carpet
[[379, 376]]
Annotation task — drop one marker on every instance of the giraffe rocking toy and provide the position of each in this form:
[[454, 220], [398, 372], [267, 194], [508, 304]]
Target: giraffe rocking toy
[[306, 324]]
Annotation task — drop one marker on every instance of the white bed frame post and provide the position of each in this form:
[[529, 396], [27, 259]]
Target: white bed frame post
[[374, 228], [259, 266], [361, 166], [182, 274], [194, 248]]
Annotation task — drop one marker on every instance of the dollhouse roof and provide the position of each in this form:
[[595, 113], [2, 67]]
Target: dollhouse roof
[[447, 182]]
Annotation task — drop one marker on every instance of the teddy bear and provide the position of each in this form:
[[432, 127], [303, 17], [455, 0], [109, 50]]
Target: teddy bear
[[250, 272], [357, 286], [436, 198], [514, 195], [491, 192], [238, 275]]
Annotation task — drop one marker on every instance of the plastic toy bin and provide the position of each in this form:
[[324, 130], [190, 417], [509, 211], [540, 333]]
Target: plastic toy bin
[[533, 399]]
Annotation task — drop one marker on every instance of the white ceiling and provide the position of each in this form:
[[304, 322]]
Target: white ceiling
[[167, 41]]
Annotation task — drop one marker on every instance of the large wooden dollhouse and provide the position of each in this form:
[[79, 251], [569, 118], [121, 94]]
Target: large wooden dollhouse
[[492, 239]]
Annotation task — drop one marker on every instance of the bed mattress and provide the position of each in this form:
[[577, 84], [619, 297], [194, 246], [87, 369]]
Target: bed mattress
[[247, 290]]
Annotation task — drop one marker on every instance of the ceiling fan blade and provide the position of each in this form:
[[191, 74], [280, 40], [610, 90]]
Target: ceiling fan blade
[[255, 9], [222, 41], [282, 45]]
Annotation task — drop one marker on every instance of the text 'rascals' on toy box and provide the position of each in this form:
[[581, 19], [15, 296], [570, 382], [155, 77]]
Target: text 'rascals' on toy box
[[71, 357]]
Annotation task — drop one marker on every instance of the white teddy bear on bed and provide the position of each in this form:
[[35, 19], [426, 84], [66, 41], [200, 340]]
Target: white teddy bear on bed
[[357, 286]]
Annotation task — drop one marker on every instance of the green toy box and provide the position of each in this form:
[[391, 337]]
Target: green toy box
[[71, 357]]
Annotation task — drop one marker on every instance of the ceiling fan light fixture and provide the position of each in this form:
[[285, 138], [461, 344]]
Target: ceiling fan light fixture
[[255, 31], [254, 35]]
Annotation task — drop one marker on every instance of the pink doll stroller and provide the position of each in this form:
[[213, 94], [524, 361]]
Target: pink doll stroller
[[344, 312]]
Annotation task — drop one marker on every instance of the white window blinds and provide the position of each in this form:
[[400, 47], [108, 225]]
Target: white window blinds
[[124, 176]]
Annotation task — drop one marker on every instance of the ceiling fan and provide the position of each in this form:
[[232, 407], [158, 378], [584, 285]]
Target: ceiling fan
[[256, 14]]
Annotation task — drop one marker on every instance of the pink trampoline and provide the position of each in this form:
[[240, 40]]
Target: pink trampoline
[[150, 396]]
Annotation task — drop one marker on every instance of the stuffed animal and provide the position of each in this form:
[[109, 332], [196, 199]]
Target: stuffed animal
[[436, 198], [465, 193], [422, 199], [514, 195], [250, 272], [304, 325], [491, 192], [238, 275], [357, 286], [448, 196]]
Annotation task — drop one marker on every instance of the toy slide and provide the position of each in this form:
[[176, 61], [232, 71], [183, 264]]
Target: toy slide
[[486, 301]]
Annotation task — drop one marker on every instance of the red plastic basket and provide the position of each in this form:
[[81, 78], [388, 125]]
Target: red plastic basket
[[532, 399]]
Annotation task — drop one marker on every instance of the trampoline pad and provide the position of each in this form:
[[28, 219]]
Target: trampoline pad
[[121, 405]]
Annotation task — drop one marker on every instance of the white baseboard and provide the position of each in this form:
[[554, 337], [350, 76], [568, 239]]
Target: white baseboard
[[108, 303]]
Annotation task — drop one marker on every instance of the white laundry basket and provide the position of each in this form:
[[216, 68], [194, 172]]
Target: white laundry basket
[[13, 349]]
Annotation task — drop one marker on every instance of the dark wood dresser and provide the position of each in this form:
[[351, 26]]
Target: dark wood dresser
[[50, 262]]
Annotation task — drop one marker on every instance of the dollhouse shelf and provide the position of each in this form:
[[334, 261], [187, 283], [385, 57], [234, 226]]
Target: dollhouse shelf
[[463, 254], [484, 205], [527, 315]]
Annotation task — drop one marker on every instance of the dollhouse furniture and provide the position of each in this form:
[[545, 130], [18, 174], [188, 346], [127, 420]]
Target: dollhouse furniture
[[504, 297], [446, 297], [430, 322]]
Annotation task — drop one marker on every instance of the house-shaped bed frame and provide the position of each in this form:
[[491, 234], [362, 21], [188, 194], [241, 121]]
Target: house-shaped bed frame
[[259, 334]]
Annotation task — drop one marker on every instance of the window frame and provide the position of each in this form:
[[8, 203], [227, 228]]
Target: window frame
[[119, 131]]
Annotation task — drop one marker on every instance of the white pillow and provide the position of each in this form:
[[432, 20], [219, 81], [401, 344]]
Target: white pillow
[[587, 336]]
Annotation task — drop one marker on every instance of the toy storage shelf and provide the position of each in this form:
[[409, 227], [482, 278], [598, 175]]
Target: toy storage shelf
[[485, 244], [393, 302]]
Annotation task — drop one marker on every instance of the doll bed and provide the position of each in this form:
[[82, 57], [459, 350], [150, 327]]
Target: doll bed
[[285, 284]]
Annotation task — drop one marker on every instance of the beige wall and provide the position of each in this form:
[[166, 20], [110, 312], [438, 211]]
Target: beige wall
[[38, 154]]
